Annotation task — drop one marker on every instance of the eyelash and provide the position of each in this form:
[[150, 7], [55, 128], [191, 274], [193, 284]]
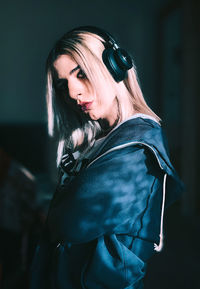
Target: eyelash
[[82, 73], [63, 84]]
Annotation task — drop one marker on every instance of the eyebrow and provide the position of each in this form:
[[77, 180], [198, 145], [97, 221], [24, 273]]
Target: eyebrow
[[74, 69], [60, 80]]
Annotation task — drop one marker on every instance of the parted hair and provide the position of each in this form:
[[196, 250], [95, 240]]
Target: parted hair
[[76, 131]]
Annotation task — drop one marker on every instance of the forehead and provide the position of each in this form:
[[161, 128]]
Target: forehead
[[63, 65]]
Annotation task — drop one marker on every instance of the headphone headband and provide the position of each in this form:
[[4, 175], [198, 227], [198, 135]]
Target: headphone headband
[[100, 32], [117, 60]]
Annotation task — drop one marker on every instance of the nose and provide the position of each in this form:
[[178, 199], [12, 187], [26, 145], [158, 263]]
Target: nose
[[80, 98], [76, 90]]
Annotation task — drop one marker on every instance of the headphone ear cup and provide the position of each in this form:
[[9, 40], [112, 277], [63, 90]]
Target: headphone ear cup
[[117, 62], [109, 58], [123, 59]]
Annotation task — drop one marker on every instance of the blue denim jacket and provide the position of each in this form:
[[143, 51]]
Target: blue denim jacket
[[106, 222]]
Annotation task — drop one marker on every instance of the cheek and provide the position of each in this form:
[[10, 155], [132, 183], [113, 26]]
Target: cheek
[[106, 102], [89, 89]]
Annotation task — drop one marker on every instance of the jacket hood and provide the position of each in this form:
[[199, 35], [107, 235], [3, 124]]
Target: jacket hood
[[140, 130]]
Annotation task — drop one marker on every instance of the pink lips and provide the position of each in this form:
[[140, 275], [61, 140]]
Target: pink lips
[[86, 105]]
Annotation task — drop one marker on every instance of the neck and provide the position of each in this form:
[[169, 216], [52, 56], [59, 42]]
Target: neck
[[106, 127]]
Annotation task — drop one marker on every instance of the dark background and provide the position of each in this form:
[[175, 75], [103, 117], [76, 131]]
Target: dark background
[[163, 37]]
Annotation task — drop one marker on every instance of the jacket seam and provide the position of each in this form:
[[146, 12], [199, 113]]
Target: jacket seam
[[118, 147], [147, 204], [124, 265]]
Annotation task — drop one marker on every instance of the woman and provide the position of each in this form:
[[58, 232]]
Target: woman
[[106, 218]]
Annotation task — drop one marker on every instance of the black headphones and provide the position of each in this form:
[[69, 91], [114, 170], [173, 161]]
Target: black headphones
[[116, 59]]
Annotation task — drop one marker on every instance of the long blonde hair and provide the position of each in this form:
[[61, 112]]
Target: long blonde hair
[[75, 130]]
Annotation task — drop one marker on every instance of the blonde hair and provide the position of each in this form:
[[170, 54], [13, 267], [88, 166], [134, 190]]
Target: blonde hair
[[75, 130]]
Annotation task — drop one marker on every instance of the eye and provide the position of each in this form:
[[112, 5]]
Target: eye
[[81, 74]]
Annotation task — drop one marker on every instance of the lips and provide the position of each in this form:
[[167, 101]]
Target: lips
[[86, 105]]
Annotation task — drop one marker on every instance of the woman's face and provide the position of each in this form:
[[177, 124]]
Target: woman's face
[[79, 89]]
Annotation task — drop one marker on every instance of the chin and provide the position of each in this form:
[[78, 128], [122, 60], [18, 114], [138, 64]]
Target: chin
[[93, 117]]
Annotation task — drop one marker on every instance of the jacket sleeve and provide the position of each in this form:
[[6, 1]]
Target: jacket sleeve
[[121, 193], [119, 260]]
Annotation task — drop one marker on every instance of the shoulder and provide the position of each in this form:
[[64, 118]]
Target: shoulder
[[123, 160], [130, 141], [130, 131]]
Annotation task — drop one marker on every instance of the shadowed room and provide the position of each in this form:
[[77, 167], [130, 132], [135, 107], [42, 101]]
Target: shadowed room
[[162, 37]]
